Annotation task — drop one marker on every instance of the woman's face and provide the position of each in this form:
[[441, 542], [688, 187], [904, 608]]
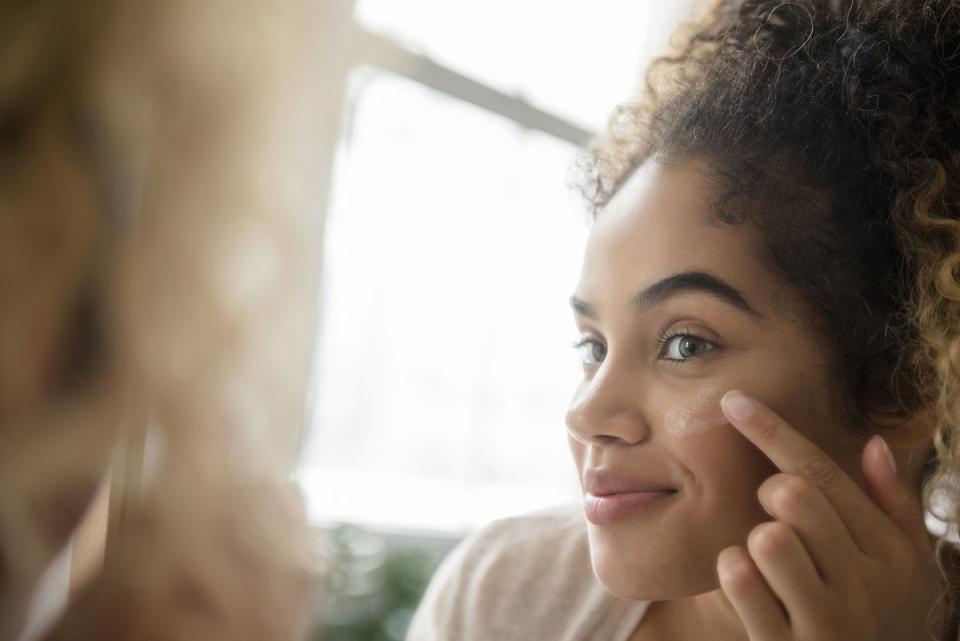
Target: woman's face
[[650, 410]]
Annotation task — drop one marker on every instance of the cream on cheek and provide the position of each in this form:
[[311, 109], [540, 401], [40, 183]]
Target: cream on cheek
[[696, 414]]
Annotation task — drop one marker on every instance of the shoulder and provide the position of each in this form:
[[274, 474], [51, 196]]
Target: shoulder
[[513, 546], [516, 577]]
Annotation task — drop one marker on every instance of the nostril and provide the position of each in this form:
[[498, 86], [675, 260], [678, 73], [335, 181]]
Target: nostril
[[595, 439], [607, 439], [609, 413]]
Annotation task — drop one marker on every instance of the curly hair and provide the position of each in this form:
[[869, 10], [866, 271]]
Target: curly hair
[[833, 127]]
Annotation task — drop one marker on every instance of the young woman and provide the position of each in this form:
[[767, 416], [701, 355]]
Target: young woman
[[769, 309]]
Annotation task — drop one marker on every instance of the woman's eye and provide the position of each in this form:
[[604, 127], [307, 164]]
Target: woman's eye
[[682, 347], [593, 352]]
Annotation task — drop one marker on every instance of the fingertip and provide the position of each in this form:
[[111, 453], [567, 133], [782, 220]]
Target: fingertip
[[729, 561], [890, 493], [883, 454], [888, 454], [728, 393], [737, 405]]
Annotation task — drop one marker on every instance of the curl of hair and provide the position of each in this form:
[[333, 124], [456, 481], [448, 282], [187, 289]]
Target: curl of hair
[[834, 127]]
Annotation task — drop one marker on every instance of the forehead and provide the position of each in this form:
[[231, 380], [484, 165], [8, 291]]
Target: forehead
[[660, 223]]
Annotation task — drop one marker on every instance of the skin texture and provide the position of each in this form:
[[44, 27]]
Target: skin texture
[[626, 411]]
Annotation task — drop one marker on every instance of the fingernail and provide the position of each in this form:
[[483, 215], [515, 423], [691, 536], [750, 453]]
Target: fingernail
[[737, 405], [886, 449]]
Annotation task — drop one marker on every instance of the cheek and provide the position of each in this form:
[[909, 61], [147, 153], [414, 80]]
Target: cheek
[[694, 414], [725, 471]]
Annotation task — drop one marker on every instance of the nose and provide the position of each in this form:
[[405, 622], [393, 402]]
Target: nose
[[606, 410]]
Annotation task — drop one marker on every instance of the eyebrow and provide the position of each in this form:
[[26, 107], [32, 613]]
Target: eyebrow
[[690, 281]]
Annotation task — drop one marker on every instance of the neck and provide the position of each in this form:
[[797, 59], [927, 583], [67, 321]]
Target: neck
[[716, 616], [702, 616]]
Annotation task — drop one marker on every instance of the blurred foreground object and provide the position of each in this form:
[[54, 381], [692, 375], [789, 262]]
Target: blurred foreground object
[[157, 296]]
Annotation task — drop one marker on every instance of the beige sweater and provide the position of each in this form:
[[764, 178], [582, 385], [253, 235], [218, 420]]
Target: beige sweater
[[523, 578]]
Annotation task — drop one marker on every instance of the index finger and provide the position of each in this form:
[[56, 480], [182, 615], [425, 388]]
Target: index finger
[[794, 453]]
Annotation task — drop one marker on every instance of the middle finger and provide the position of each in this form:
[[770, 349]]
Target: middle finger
[[797, 502], [788, 569]]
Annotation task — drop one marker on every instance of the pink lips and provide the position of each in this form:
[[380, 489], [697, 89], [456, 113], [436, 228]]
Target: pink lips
[[610, 496]]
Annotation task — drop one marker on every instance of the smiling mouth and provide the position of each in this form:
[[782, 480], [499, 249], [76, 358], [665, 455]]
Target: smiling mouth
[[606, 509]]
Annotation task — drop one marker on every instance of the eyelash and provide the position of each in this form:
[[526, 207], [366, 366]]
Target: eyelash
[[670, 335], [662, 341]]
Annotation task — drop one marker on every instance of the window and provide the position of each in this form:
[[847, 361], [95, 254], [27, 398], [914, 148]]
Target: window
[[452, 244]]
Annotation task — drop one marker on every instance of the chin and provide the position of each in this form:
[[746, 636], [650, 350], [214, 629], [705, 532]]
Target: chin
[[649, 573]]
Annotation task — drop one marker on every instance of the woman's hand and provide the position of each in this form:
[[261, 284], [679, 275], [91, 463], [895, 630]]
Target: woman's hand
[[835, 564]]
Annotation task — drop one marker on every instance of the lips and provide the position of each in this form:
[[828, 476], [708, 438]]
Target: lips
[[611, 497], [601, 481]]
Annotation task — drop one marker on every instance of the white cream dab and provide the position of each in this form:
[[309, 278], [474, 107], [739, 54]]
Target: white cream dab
[[695, 415]]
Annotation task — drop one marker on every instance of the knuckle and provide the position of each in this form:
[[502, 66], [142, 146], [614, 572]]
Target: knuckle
[[821, 470], [792, 493], [768, 428], [769, 539]]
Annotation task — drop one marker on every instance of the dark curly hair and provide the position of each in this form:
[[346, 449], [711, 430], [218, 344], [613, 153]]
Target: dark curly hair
[[833, 127]]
